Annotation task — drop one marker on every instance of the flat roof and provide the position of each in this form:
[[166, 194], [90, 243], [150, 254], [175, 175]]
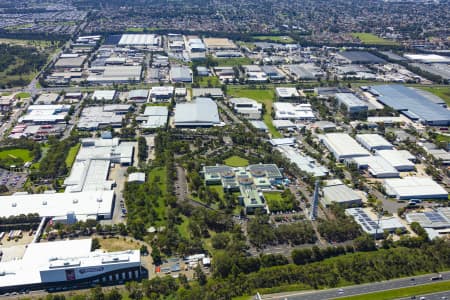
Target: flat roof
[[399, 159], [303, 162], [83, 204], [350, 100], [343, 145], [427, 58], [415, 187], [287, 92], [377, 166], [219, 43], [156, 111], [362, 57], [408, 100], [201, 112], [373, 141], [139, 40], [339, 193], [104, 94]]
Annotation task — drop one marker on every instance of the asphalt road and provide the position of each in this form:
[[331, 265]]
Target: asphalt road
[[434, 296], [359, 289]]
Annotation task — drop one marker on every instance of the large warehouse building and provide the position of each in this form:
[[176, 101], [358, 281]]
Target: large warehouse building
[[373, 142], [412, 104], [61, 264], [343, 146], [202, 112], [140, 40], [414, 188]]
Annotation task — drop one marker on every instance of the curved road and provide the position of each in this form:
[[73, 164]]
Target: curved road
[[361, 289]]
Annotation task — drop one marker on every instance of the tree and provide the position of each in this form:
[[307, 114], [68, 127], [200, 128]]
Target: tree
[[95, 244], [364, 242], [156, 255], [200, 275], [220, 241]]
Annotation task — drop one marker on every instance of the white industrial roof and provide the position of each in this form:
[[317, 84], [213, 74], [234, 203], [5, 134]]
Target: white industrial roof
[[343, 145], [399, 159], [414, 187], [337, 192], [136, 177], [287, 92], [104, 94], [47, 256], [373, 141], [303, 162], [139, 40], [162, 90], [284, 110], [377, 166], [83, 205], [156, 111], [428, 58], [283, 124], [370, 225], [201, 112]]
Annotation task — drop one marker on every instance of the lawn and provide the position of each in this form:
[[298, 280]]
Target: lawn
[[117, 244], [403, 292], [209, 81], [274, 38], [183, 227], [72, 154], [23, 154], [23, 95], [236, 161], [265, 96], [160, 173], [440, 91], [372, 39], [232, 62]]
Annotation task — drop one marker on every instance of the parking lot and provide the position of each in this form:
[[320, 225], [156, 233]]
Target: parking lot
[[12, 180]]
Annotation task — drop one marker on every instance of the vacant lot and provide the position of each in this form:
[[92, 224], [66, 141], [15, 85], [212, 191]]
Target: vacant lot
[[118, 244], [72, 155], [372, 39]]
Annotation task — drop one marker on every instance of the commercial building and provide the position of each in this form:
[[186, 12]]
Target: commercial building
[[97, 117], [180, 74], [343, 146], [248, 108], [359, 57], [64, 207], [371, 225], [295, 112], [214, 93], [412, 104], [70, 62], [115, 74], [287, 94], [377, 166], [304, 162], [137, 177], [401, 160], [47, 98], [353, 104], [140, 96], [273, 73], [374, 142], [307, 71], [62, 264], [414, 188], [45, 114], [202, 112], [213, 44], [335, 192], [90, 170], [249, 181], [427, 58], [435, 222], [161, 93], [259, 125], [155, 117], [140, 40], [106, 95]]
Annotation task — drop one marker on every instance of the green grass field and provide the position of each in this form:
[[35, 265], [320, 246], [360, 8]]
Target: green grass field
[[372, 39], [440, 91], [265, 96], [72, 154], [236, 161], [23, 95], [403, 292], [209, 81], [161, 208], [23, 154], [274, 38], [232, 62]]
